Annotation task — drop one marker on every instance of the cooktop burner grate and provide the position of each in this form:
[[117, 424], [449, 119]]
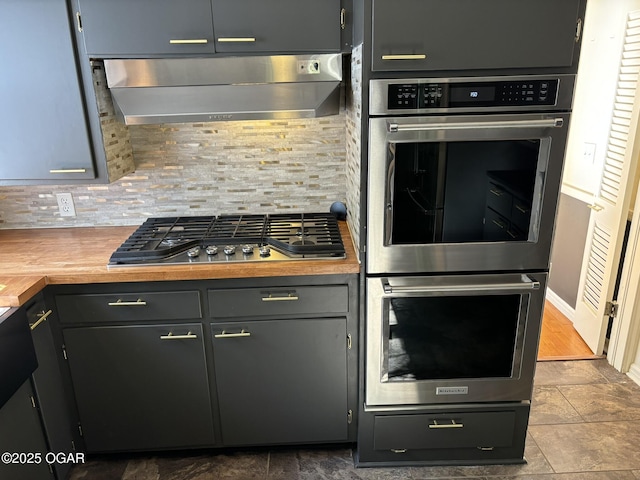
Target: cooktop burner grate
[[304, 233], [162, 240]]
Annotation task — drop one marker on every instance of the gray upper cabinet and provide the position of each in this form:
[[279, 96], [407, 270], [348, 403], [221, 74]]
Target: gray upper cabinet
[[43, 129], [150, 28], [457, 35], [277, 26], [146, 27]]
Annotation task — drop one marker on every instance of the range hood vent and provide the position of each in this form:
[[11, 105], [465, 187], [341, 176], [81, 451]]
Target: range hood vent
[[181, 90]]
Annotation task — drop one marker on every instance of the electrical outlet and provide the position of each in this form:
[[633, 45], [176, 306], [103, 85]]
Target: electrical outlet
[[308, 67], [65, 205]]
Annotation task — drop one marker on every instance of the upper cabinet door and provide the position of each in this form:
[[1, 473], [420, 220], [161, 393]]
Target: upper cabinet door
[[277, 25], [474, 35], [146, 27], [43, 127]]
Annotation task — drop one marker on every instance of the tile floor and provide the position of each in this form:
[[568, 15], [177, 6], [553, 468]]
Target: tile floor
[[584, 425]]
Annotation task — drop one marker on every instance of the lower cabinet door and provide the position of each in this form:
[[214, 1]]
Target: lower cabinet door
[[48, 384], [281, 381], [140, 387], [22, 443]]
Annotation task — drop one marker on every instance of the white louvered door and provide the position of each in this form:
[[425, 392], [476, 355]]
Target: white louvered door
[[611, 204]]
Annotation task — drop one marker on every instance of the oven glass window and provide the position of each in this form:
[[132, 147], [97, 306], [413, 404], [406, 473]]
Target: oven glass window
[[449, 337], [457, 192]]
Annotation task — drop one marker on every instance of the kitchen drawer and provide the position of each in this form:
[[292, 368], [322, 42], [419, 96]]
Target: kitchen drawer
[[445, 430], [138, 306], [251, 302]]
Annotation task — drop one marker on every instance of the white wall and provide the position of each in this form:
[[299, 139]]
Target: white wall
[[594, 95]]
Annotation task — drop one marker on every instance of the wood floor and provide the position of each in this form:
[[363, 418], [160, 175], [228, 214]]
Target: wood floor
[[559, 340]]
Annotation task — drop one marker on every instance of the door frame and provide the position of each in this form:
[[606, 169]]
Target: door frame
[[625, 332]]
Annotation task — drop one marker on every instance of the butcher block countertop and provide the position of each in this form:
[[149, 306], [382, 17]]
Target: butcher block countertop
[[32, 258]]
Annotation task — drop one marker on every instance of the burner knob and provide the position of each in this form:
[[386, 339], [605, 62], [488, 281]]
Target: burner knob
[[229, 249], [265, 251], [194, 252], [211, 250], [247, 249]]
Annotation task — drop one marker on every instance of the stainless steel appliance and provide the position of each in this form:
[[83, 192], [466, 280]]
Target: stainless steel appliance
[[231, 238], [472, 191], [170, 90], [463, 182], [451, 339]]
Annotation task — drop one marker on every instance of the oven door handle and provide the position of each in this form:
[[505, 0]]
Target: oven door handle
[[393, 127], [526, 284]]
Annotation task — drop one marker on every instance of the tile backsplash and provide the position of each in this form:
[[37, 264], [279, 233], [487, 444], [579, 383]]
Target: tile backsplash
[[202, 169]]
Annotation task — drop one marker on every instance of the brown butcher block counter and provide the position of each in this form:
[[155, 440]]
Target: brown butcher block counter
[[33, 258]]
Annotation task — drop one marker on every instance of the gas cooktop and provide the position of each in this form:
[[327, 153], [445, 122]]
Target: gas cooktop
[[231, 238]]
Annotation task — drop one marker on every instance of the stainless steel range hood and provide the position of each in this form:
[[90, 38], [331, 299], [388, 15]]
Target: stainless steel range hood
[[227, 88]]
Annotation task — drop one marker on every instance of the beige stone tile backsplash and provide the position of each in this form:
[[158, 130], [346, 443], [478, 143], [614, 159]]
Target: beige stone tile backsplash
[[203, 169]]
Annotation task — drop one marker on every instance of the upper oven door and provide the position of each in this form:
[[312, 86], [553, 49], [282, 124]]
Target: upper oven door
[[463, 193]]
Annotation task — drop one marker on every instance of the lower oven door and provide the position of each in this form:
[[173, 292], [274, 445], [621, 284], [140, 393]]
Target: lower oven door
[[452, 339]]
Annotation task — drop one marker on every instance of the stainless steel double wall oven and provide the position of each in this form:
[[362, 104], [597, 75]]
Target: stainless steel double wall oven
[[463, 182]]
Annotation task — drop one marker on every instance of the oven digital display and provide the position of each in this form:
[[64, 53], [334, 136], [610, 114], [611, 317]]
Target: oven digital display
[[471, 94]]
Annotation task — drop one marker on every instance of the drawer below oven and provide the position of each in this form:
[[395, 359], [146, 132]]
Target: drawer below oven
[[444, 430], [481, 434]]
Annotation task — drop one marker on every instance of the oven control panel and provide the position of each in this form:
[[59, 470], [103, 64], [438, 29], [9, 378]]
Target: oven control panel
[[416, 96]]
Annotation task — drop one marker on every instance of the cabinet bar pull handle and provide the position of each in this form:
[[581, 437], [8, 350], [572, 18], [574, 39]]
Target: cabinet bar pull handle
[[68, 170], [138, 303], [188, 41], [417, 56], [496, 192], [289, 297], [398, 450], [171, 336], [43, 316], [343, 18], [521, 209], [453, 424], [224, 334], [236, 39]]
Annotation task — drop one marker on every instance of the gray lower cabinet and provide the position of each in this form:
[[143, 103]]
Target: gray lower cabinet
[[43, 129], [285, 360], [282, 381], [22, 438], [215, 363], [140, 387], [460, 35], [60, 431]]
